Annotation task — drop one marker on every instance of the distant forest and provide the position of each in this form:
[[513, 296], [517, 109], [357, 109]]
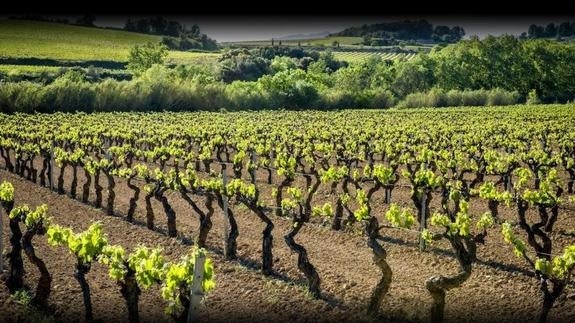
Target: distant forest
[[382, 34], [564, 29]]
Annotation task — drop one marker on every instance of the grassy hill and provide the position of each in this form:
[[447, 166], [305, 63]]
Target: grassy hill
[[45, 40]]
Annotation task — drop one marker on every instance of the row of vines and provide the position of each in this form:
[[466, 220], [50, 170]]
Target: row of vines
[[133, 272], [274, 164]]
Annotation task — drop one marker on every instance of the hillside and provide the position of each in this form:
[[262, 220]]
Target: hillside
[[45, 40]]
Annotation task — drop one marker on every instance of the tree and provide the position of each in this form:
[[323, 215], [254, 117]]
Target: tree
[[86, 20], [130, 25], [173, 28], [440, 33], [535, 31], [158, 25], [565, 29], [366, 40], [457, 33], [142, 57], [550, 30], [194, 31], [142, 26], [240, 64]]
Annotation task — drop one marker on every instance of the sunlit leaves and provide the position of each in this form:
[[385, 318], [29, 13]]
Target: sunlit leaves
[[400, 217], [179, 278], [6, 192], [86, 245], [510, 237]]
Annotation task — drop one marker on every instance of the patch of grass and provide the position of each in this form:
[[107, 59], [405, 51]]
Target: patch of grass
[[308, 294], [23, 297], [19, 69]]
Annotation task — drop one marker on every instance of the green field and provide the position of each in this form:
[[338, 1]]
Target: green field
[[328, 41], [353, 57], [179, 57], [17, 69], [36, 39]]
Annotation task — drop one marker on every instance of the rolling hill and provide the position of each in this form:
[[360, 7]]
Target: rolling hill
[[22, 39]]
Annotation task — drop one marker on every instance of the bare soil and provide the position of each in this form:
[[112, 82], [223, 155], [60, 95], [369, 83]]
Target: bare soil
[[500, 289]]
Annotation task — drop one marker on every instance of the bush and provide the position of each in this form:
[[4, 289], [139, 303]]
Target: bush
[[501, 97], [242, 65], [533, 98], [439, 98], [142, 57]]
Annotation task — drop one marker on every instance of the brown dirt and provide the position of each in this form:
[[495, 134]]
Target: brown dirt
[[499, 289]]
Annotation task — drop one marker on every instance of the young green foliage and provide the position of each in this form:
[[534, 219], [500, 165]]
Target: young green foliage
[[179, 277], [86, 245], [6, 192], [400, 217]]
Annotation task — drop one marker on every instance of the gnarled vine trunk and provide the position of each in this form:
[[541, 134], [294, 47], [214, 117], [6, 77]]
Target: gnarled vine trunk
[[170, 213], [338, 215], [15, 279], [230, 243], [303, 263], [5, 153], [149, 210], [439, 285], [267, 240], [379, 255], [133, 200], [80, 275], [86, 187], [131, 293], [111, 193], [98, 189], [45, 163], [61, 178], [74, 184], [45, 281]]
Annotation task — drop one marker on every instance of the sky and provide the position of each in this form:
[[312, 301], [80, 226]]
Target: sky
[[234, 28]]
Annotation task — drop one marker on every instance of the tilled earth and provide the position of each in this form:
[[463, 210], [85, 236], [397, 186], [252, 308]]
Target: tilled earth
[[500, 289]]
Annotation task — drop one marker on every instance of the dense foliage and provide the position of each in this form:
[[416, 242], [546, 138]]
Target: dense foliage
[[495, 71], [181, 37], [404, 30]]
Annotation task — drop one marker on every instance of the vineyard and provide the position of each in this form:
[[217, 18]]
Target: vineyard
[[351, 56], [420, 215]]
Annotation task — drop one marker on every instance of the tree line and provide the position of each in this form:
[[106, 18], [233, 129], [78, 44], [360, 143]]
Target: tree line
[[377, 34], [493, 71], [551, 30], [182, 36]]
